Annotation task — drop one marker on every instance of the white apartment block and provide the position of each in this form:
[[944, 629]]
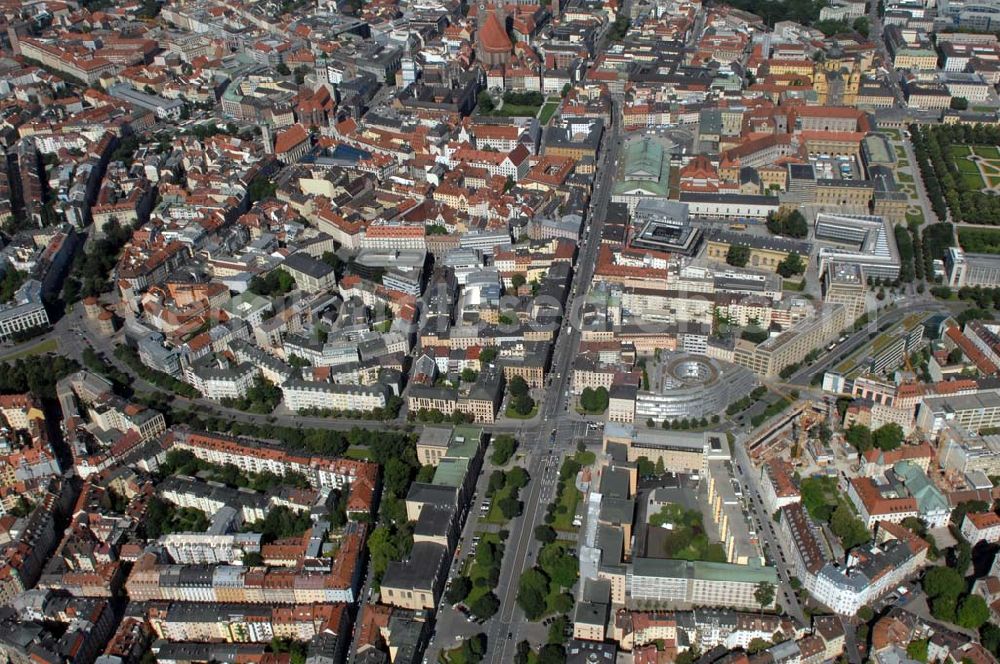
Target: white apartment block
[[776, 486], [147, 422], [303, 395], [979, 526], [218, 383], [209, 549], [25, 313], [846, 588]]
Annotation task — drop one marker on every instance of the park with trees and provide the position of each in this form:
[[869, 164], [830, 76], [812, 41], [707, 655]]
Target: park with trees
[[947, 156], [521, 404]]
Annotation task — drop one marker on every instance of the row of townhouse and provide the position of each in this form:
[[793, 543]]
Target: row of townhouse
[[315, 581], [253, 456], [244, 623]]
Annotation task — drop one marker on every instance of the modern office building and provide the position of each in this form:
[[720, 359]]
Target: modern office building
[[969, 411], [978, 15], [769, 357], [969, 454], [663, 225], [681, 451], [966, 269], [870, 243], [688, 386], [845, 283]]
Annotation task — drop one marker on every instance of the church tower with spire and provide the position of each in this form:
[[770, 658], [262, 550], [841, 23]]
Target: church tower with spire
[[493, 44]]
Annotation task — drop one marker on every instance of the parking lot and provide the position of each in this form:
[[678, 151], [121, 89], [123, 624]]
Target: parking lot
[[835, 168]]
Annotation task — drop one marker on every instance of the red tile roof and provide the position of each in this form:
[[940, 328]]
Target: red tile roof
[[493, 36], [290, 138]]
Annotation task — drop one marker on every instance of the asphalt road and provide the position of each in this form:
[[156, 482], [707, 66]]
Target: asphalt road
[[925, 203], [543, 442], [555, 415], [768, 534], [884, 319], [875, 32]]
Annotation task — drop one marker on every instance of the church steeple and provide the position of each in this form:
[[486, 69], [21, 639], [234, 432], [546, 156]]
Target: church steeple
[[493, 45]]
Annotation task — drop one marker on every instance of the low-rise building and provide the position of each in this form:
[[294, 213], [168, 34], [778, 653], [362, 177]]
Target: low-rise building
[[682, 582], [980, 526], [875, 504], [777, 487], [417, 582], [310, 274]]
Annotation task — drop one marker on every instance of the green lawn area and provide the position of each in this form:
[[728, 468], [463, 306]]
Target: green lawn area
[[453, 656], [47, 346], [355, 452], [548, 110], [966, 166], [900, 152], [969, 171], [517, 416], [993, 181], [793, 285], [904, 177], [987, 151], [917, 217], [555, 590], [973, 180], [495, 516], [891, 133], [820, 496], [569, 496], [515, 110], [474, 570], [686, 538]]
